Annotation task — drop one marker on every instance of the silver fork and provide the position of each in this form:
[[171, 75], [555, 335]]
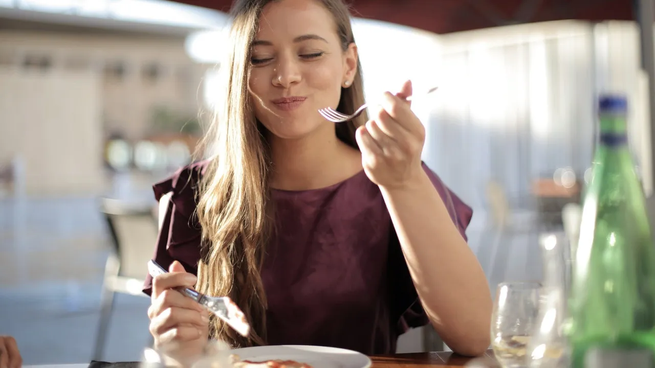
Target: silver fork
[[222, 307], [339, 117]]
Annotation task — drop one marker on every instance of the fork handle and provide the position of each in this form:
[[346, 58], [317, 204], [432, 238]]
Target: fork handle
[[421, 94], [190, 293], [154, 269]]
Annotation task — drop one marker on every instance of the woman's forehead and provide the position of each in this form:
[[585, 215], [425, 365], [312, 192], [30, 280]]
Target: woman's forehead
[[289, 19]]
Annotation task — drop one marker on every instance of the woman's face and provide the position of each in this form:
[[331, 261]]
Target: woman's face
[[297, 67]]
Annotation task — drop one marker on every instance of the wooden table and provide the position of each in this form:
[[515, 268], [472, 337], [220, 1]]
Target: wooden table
[[439, 359]]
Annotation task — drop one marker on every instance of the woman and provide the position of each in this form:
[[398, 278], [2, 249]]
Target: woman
[[323, 234]]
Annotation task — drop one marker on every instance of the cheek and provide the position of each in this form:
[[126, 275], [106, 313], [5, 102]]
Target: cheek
[[327, 79], [257, 89], [255, 81], [324, 75]]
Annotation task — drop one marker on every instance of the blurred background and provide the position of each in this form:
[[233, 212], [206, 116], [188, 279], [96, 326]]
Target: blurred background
[[99, 99]]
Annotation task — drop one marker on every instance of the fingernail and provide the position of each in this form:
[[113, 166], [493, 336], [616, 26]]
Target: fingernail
[[205, 318]]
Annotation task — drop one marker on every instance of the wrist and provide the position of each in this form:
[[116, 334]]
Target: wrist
[[410, 184]]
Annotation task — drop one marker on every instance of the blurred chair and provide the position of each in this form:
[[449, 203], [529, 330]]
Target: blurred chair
[[12, 178], [6, 181], [554, 193], [504, 223], [133, 230]]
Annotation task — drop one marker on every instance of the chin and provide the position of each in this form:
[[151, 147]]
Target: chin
[[293, 128], [290, 134]]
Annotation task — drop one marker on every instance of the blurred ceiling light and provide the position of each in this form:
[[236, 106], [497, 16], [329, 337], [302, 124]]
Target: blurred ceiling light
[[557, 176], [119, 154], [161, 157], [150, 156], [48, 5], [166, 12], [178, 154], [140, 11], [565, 177], [206, 46], [568, 178], [145, 155]]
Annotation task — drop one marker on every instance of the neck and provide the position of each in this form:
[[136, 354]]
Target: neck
[[315, 161]]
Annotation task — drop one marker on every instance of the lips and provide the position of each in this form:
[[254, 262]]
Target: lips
[[289, 103]]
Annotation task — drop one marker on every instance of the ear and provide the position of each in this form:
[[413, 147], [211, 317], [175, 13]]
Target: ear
[[350, 58]]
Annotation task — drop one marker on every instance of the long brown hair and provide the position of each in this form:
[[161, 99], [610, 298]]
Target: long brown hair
[[234, 208]]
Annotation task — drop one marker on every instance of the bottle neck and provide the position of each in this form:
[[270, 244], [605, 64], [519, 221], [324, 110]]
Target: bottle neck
[[613, 130]]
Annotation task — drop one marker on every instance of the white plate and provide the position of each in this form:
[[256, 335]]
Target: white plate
[[316, 356]]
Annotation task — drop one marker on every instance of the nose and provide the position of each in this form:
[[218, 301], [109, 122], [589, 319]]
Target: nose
[[287, 72]]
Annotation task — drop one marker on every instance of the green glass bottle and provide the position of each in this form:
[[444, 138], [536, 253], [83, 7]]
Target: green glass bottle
[[612, 303]]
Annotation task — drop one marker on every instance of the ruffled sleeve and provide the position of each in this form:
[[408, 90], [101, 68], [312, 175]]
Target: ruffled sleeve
[[405, 303], [180, 234]]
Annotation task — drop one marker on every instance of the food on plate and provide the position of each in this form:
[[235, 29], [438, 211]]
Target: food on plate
[[272, 363]]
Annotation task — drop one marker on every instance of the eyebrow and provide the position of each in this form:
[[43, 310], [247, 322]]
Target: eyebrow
[[295, 40]]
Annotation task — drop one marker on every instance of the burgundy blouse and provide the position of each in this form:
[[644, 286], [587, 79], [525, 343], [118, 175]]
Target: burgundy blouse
[[334, 273]]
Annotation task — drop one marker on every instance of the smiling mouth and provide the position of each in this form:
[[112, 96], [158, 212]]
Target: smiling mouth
[[289, 103]]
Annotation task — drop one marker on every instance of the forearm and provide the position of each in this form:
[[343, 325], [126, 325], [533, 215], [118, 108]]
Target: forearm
[[448, 278]]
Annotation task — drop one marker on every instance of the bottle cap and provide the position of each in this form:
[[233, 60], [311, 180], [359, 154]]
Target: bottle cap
[[616, 104]]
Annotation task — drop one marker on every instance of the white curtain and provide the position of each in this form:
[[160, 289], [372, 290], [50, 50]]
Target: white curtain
[[514, 103]]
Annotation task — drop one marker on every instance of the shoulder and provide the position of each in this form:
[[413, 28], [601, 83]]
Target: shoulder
[[182, 181], [181, 187]]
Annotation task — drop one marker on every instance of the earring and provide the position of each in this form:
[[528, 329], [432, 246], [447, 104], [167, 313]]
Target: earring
[[346, 83]]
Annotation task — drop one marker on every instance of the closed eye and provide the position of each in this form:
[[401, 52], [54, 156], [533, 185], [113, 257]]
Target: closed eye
[[312, 56], [255, 61]]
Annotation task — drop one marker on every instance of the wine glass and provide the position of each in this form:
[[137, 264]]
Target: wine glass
[[514, 318], [549, 347]]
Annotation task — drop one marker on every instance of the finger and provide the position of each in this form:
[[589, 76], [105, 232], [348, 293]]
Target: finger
[[383, 140], [405, 91], [13, 355], [401, 112], [4, 356], [390, 148], [172, 299], [179, 334], [173, 317], [176, 266], [391, 127], [366, 142], [172, 280]]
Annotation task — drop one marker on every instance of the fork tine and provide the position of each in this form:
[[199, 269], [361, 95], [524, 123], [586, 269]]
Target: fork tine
[[326, 114], [332, 115], [337, 114], [326, 111], [339, 117]]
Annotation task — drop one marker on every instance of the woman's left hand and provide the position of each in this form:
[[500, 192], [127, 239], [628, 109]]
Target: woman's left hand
[[392, 142], [9, 354]]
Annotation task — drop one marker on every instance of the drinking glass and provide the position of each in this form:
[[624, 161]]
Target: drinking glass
[[514, 318]]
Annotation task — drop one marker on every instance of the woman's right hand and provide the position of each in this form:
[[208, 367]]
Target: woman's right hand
[[179, 325]]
